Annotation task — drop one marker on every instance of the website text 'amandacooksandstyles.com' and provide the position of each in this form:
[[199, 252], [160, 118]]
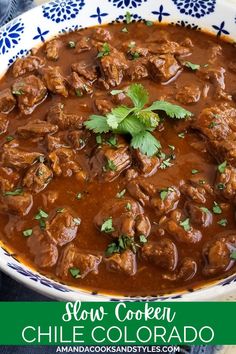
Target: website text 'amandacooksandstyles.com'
[[118, 349]]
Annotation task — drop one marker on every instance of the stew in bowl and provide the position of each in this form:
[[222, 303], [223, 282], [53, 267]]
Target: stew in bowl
[[118, 168]]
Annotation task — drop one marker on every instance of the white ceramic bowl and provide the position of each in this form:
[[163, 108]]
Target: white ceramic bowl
[[59, 16]]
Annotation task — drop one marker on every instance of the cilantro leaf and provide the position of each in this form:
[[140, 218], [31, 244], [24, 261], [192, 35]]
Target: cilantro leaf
[[146, 143], [107, 226], [222, 167], [192, 66], [216, 208], [172, 110], [104, 51], [149, 119], [117, 115], [131, 125], [98, 124], [186, 225], [138, 94], [75, 272]]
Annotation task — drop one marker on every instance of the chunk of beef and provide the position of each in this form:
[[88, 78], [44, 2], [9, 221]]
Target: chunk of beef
[[103, 106], [165, 200], [134, 51], [163, 67], [8, 179], [143, 225], [14, 156], [72, 257], [37, 177], [162, 253], [52, 49], [137, 69], [87, 72], [186, 271], [36, 128], [217, 254], [146, 165], [109, 162], [56, 115], [63, 162], [198, 215], [225, 184], [4, 122], [78, 85], [30, 91], [194, 192], [54, 80], [216, 76], [218, 125], [113, 67], [62, 228], [122, 263], [188, 94], [101, 34], [178, 226], [78, 139], [232, 66], [7, 101], [44, 251], [124, 218], [83, 45], [170, 47], [26, 65], [17, 204], [141, 190]]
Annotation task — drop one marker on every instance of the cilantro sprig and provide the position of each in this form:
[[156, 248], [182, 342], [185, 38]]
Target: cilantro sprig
[[138, 121]]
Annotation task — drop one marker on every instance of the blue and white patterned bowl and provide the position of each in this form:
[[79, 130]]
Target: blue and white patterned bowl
[[59, 16]]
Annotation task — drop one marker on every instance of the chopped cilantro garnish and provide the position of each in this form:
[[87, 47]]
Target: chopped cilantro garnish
[[104, 51], [17, 191], [116, 92], [9, 138], [79, 196], [137, 121], [216, 208], [128, 207], [142, 239], [124, 30], [194, 172], [120, 245], [18, 92], [110, 166], [233, 255], [128, 17], [185, 225], [172, 147], [112, 141], [75, 272], [191, 66], [135, 55], [107, 226], [71, 44], [77, 221], [99, 139], [222, 167], [149, 23], [27, 232], [79, 93], [165, 164], [205, 210], [41, 214], [223, 222], [121, 194], [60, 210], [181, 135], [212, 125], [220, 186]]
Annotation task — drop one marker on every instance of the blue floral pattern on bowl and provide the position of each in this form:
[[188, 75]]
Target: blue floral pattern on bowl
[[62, 10], [10, 35], [195, 8], [127, 3], [60, 16]]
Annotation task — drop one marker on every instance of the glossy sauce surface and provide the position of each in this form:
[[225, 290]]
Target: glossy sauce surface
[[191, 153]]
